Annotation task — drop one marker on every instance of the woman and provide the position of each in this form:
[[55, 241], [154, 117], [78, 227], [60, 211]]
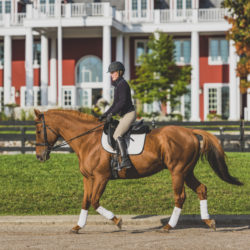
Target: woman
[[122, 106]]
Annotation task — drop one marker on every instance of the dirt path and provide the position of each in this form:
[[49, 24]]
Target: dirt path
[[57, 236]]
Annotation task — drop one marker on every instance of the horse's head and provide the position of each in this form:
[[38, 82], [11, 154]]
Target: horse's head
[[45, 137]]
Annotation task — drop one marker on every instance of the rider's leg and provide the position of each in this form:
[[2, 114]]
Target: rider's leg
[[122, 128]]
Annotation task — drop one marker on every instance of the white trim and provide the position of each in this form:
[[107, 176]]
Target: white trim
[[206, 88]]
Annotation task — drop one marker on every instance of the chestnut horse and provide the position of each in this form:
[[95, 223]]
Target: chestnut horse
[[171, 147]]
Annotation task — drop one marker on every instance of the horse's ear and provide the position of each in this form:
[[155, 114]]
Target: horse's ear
[[37, 113]]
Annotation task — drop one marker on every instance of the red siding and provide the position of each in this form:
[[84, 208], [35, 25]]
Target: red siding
[[209, 73]]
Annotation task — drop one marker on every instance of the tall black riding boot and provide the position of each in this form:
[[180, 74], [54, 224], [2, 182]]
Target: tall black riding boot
[[126, 163]]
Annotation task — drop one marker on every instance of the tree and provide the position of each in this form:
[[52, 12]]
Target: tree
[[158, 76], [239, 17]]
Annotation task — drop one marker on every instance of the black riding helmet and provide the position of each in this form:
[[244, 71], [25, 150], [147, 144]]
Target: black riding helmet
[[116, 66]]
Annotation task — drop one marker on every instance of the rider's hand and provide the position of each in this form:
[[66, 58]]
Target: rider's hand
[[109, 117], [102, 117]]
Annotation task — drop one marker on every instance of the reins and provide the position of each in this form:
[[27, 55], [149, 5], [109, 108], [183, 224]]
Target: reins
[[46, 143]]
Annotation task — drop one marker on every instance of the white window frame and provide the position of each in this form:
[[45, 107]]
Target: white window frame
[[136, 15], [219, 61], [145, 42], [206, 88], [36, 65], [73, 96], [12, 96], [36, 89], [182, 62]]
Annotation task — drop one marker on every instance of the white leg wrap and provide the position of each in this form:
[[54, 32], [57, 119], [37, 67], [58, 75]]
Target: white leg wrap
[[203, 208], [175, 217], [82, 218], [106, 213]]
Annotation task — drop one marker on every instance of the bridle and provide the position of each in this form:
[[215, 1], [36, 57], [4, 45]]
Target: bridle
[[48, 145]]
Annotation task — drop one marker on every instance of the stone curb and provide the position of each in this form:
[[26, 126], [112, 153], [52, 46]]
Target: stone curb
[[151, 220]]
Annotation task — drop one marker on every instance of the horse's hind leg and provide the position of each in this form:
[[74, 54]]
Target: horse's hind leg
[[201, 190], [88, 183], [179, 197]]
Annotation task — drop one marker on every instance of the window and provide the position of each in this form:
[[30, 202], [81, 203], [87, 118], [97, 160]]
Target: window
[[36, 53], [188, 4], [67, 97], [179, 4], [141, 47], [36, 96], [1, 7], [89, 69], [1, 99], [182, 51], [1, 54], [139, 8], [7, 6], [217, 100], [218, 51]]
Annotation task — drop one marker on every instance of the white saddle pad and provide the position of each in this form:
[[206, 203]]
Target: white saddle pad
[[135, 144]]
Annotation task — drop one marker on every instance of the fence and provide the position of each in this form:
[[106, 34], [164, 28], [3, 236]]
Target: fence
[[233, 136]]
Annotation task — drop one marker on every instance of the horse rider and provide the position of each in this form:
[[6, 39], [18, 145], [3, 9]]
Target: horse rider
[[123, 106]]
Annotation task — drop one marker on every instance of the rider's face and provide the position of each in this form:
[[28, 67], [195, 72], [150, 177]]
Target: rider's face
[[114, 75]]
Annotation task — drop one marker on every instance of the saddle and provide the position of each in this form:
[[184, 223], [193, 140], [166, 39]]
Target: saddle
[[137, 127]]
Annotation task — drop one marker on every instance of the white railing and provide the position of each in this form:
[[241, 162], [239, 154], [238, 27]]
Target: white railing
[[82, 9], [136, 16], [212, 15], [18, 18], [167, 16]]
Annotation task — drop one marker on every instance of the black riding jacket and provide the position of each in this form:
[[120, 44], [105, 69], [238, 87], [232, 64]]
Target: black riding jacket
[[122, 98]]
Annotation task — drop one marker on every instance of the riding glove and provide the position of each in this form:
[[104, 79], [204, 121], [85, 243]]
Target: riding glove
[[102, 117], [109, 117]]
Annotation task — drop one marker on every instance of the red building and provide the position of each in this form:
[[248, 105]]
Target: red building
[[57, 54]]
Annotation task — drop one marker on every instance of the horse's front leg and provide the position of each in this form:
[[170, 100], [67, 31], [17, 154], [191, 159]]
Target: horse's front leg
[[88, 185], [98, 189]]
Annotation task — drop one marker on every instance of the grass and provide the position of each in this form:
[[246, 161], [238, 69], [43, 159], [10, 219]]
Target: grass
[[29, 187]]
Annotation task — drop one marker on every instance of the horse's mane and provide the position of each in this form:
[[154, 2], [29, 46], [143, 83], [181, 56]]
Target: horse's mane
[[75, 113]]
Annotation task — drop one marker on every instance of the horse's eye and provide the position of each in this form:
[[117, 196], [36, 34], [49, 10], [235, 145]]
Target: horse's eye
[[39, 132]]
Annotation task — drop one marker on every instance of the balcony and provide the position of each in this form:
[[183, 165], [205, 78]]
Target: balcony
[[172, 16], [78, 10]]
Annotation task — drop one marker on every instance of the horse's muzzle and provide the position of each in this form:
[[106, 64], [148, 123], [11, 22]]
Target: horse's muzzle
[[44, 156]]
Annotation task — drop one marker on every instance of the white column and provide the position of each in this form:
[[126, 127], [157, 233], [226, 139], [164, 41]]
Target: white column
[[195, 79], [53, 73], [7, 71], [234, 112], [127, 58], [119, 48], [29, 67], [106, 58], [59, 47], [44, 70]]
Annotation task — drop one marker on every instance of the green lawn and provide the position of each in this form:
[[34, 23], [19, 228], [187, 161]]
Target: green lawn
[[29, 187]]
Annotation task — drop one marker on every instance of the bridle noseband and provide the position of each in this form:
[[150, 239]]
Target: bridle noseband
[[46, 143]]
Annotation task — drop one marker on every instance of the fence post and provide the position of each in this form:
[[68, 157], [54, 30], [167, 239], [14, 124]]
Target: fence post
[[242, 141], [23, 130], [222, 137]]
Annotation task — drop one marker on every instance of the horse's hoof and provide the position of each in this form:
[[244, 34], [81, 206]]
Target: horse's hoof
[[210, 223], [118, 222], [75, 230], [166, 228]]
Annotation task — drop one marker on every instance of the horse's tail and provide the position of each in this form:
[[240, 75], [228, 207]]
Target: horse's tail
[[214, 153]]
